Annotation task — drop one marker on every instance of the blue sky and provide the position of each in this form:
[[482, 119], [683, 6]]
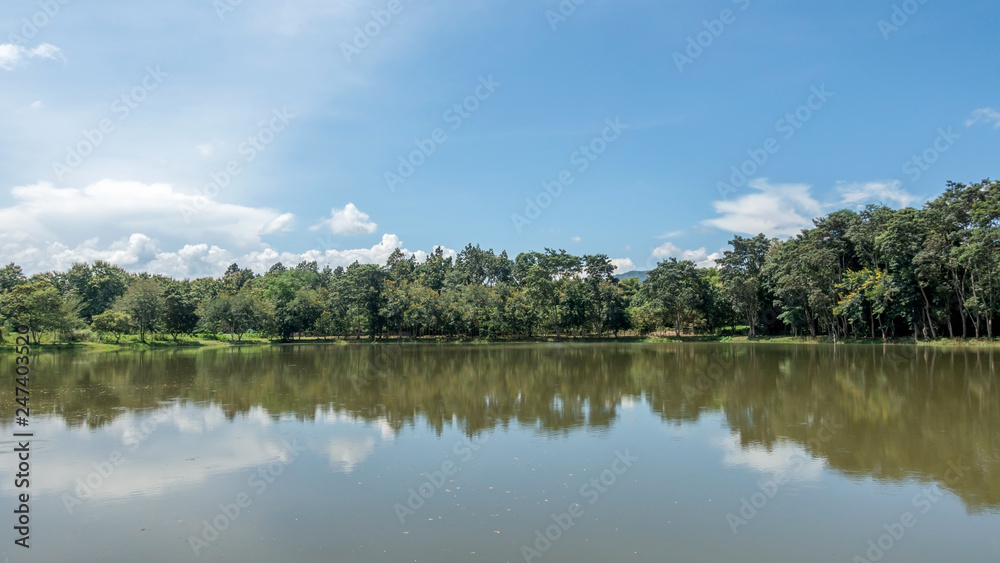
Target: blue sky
[[118, 117]]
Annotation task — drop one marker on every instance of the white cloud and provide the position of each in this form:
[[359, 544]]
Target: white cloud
[[784, 210], [132, 252], [141, 227], [666, 250], [279, 224], [140, 253], [780, 210], [671, 234], [37, 104], [857, 195], [700, 257], [46, 51], [152, 471], [194, 260], [348, 221], [985, 115], [205, 150], [377, 254], [11, 55], [623, 265], [785, 457], [576, 239], [346, 452], [43, 212]]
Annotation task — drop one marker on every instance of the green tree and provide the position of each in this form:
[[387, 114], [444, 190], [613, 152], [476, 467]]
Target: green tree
[[235, 315], [99, 286], [37, 305], [11, 276], [294, 297], [117, 323], [362, 292], [143, 301], [675, 292], [180, 310], [741, 272], [235, 278]]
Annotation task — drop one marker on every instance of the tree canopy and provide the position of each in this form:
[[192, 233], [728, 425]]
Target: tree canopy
[[869, 273]]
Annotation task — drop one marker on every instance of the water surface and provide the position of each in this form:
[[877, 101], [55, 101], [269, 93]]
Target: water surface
[[617, 452]]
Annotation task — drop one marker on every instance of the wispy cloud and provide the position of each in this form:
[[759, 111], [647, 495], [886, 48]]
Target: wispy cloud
[[777, 210], [858, 194], [986, 115], [700, 257], [11, 55], [671, 234]]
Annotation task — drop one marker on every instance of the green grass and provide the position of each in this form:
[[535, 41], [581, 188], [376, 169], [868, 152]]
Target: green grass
[[203, 341]]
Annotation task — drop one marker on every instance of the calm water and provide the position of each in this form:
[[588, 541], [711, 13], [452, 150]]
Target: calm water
[[475, 453]]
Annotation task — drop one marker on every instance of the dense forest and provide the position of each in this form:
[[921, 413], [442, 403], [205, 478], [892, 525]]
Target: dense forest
[[877, 273]]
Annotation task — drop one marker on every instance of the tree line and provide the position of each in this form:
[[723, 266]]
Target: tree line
[[876, 273]]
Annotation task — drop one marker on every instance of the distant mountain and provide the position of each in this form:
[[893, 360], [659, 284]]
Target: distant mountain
[[633, 274]]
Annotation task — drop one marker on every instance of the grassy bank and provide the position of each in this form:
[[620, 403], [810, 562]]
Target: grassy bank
[[133, 343]]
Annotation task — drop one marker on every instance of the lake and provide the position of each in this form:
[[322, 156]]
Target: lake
[[511, 452]]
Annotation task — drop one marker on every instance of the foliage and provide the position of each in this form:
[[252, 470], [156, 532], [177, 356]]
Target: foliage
[[117, 323], [867, 273]]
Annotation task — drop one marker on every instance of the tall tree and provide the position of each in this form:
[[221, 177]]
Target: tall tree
[[143, 301], [37, 305], [236, 315], [741, 272], [180, 310]]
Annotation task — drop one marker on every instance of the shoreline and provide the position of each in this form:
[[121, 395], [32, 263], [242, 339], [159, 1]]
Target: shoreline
[[204, 344]]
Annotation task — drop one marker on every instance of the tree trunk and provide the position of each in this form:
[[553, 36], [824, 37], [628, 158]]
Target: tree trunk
[[927, 312]]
